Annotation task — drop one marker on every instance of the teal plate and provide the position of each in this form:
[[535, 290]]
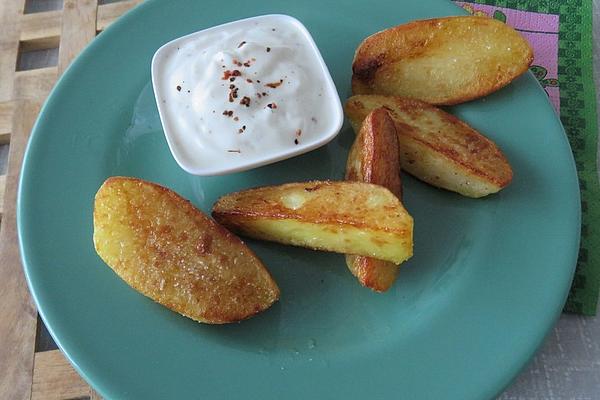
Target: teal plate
[[486, 283]]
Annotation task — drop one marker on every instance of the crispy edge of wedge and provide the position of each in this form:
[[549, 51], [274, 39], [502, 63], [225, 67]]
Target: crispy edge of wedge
[[374, 158]]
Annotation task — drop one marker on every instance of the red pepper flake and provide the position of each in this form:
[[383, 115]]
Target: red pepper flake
[[274, 85], [268, 49], [228, 113], [178, 88], [241, 44], [233, 93], [245, 101], [247, 64], [242, 129], [265, 94], [228, 74], [258, 80], [272, 106], [236, 62], [249, 80], [236, 119], [234, 151], [258, 95]]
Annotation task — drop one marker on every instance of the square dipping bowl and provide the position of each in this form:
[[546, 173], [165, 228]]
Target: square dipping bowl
[[244, 94]]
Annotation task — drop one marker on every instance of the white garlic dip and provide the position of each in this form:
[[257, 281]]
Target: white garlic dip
[[244, 94]]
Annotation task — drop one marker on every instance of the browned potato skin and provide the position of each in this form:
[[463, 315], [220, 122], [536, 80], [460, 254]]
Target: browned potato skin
[[168, 250], [441, 61], [373, 158], [437, 147], [339, 216]]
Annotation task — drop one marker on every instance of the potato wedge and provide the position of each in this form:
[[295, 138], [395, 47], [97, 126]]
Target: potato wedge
[[437, 147], [441, 61], [345, 217], [168, 250], [373, 158]]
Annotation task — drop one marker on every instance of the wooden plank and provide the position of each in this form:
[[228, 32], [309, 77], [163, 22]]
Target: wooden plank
[[78, 29], [108, 13], [39, 44], [35, 83], [19, 317], [41, 25], [2, 190], [55, 379], [9, 44], [6, 116]]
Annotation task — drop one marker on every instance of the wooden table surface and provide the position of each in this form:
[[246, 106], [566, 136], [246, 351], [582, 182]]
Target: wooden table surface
[[31, 34]]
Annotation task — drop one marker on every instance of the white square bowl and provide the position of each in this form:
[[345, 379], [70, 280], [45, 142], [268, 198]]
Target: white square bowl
[[186, 110]]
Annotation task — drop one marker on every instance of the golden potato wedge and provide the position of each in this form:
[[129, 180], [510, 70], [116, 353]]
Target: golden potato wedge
[[168, 250], [344, 217], [437, 147], [441, 61], [373, 158]]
